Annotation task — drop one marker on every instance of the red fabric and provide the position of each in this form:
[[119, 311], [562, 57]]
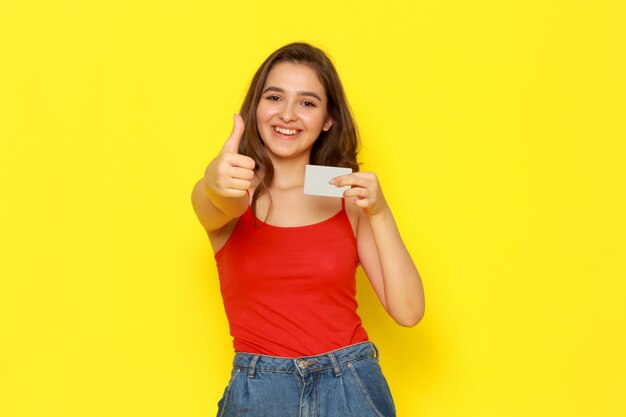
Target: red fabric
[[290, 291]]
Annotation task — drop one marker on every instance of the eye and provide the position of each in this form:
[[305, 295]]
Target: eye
[[308, 104], [272, 98]]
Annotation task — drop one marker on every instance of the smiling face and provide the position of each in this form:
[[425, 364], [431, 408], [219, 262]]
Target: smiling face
[[292, 111]]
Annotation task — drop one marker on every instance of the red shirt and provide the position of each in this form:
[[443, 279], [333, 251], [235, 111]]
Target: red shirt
[[290, 291]]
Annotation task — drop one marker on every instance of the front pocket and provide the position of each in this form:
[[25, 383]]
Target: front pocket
[[373, 386], [221, 405]]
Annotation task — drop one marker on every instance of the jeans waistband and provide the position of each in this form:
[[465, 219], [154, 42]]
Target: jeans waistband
[[305, 364]]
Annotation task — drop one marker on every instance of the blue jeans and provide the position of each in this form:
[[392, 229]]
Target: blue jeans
[[346, 382]]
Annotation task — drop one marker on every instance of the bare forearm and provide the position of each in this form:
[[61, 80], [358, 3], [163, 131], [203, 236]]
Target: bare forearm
[[231, 206], [404, 293], [213, 216]]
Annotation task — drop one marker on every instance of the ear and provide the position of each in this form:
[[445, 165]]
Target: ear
[[327, 125]]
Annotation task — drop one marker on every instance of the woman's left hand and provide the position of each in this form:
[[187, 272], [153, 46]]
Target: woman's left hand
[[365, 191]]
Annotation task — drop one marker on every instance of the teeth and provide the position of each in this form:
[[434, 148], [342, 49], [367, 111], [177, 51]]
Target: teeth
[[285, 131]]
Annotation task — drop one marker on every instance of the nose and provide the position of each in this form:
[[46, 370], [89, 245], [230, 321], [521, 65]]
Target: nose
[[288, 114]]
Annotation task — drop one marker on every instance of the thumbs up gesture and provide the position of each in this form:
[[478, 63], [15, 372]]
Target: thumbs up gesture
[[230, 174]]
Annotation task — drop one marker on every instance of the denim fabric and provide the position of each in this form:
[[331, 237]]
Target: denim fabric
[[346, 382]]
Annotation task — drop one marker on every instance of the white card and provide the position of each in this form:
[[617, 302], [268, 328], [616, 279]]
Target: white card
[[316, 178]]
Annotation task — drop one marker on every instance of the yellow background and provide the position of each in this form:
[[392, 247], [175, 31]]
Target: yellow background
[[497, 129]]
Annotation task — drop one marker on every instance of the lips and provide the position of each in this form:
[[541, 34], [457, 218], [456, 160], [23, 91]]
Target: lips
[[284, 131]]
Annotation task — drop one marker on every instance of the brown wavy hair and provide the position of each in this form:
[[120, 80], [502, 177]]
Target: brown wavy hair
[[336, 147]]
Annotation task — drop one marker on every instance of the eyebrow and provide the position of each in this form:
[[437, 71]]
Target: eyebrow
[[300, 93]]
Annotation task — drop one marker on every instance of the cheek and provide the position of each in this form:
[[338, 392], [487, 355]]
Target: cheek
[[264, 111], [259, 112], [314, 121], [263, 114]]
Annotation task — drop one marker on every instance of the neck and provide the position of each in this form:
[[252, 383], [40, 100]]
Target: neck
[[289, 173]]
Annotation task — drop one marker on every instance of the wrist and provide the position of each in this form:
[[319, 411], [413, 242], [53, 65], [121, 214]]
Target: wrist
[[382, 213]]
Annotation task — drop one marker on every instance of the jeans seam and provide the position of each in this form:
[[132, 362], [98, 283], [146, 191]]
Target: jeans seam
[[227, 393], [257, 369], [358, 359], [364, 391]]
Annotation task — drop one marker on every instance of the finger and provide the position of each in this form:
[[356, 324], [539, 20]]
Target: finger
[[336, 180], [231, 192], [235, 184], [232, 144], [365, 202], [359, 192], [241, 161], [353, 179], [241, 173]]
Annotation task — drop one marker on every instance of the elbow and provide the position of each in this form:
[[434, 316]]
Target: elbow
[[409, 321], [409, 318], [407, 311]]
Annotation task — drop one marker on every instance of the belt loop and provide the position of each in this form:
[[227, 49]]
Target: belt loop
[[376, 355], [333, 360], [252, 365]]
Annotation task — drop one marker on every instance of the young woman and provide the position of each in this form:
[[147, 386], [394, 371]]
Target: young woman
[[287, 260]]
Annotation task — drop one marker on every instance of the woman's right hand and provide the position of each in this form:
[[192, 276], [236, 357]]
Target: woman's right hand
[[230, 174]]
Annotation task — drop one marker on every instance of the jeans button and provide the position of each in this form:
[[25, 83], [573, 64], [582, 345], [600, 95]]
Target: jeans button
[[302, 363]]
